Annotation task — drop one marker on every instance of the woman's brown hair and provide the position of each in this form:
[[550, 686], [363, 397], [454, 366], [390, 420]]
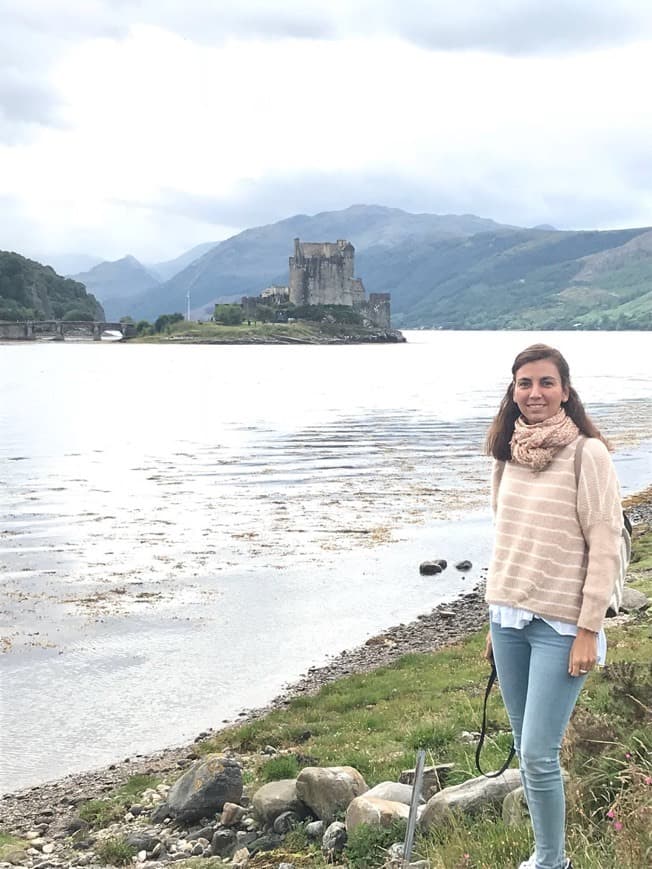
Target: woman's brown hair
[[502, 428]]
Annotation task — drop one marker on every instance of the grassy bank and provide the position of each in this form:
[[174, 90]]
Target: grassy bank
[[376, 722], [262, 333]]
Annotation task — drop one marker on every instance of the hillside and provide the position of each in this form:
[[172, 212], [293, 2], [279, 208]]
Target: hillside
[[525, 279], [29, 290], [114, 283]]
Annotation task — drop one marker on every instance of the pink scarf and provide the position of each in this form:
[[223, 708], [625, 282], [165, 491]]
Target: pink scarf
[[535, 445]]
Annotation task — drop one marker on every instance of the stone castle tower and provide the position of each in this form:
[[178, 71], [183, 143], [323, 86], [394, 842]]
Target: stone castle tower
[[321, 273]]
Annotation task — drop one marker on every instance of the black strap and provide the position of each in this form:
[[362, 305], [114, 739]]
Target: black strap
[[492, 678]]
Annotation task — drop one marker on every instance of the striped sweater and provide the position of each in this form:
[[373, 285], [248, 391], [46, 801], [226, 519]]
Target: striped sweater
[[556, 547]]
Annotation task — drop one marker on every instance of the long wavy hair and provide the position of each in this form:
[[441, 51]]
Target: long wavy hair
[[502, 428]]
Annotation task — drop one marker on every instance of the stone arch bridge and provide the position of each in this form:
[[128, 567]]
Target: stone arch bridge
[[31, 330]]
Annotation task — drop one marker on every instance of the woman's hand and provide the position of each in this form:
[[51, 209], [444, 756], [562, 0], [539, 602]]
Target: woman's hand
[[584, 653], [488, 650]]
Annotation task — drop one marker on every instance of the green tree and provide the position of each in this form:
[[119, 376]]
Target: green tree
[[165, 321], [228, 315]]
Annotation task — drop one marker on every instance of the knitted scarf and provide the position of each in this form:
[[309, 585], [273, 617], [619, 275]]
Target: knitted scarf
[[535, 445]]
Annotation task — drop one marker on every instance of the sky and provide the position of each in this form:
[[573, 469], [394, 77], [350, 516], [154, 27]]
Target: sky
[[146, 127]]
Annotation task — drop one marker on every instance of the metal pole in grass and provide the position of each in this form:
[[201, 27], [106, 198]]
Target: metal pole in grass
[[414, 805]]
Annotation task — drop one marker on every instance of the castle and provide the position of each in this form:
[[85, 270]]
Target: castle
[[321, 273]]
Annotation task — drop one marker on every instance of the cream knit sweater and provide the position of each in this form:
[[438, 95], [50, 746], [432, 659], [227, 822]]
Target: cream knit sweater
[[556, 550]]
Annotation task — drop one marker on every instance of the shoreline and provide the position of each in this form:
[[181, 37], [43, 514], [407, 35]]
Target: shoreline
[[444, 625]]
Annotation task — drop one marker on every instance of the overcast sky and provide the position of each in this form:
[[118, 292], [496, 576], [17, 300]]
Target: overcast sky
[[149, 126]]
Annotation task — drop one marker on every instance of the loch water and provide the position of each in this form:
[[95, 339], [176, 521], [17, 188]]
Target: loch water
[[186, 529]]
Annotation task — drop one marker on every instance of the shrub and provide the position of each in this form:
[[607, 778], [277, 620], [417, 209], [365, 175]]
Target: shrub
[[276, 768], [367, 844], [115, 852], [100, 813]]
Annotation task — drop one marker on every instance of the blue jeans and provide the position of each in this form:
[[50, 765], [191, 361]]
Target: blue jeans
[[539, 695]]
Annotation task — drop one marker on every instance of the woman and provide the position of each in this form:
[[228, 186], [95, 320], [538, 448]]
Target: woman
[[552, 573]]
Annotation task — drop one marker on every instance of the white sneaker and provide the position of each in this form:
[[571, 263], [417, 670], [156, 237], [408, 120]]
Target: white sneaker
[[531, 863]]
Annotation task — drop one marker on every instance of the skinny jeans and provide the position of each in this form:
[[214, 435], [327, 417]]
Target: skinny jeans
[[539, 695]]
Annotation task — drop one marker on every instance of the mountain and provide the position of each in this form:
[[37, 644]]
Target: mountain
[[115, 283], [443, 271], [524, 279], [248, 262], [166, 270], [29, 290]]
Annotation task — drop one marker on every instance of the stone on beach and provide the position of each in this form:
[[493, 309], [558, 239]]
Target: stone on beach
[[470, 797], [374, 811], [329, 790], [277, 797], [205, 788]]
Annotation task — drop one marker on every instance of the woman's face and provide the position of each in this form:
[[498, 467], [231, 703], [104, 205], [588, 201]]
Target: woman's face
[[538, 390]]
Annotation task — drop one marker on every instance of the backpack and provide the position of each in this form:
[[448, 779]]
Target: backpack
[[625, 551]]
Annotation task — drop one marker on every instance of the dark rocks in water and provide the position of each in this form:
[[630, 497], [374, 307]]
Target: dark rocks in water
[[430, 568], [463, 565], [442, 563]]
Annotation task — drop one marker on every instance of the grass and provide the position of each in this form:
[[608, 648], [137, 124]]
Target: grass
[[376, 721], [115, 852], [10, 845], [101, 813], [259, 332]]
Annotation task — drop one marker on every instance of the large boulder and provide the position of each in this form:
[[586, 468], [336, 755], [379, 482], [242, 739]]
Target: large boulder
[[276, 798], [203, 790], [374, 811], [634, 601], [393, 791], [329, 790], [469, 797]]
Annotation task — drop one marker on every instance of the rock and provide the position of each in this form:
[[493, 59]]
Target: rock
[[315, 829], [240, 858], [160, 813], [232, 814], [223, 843], [329, 790], [197, 850], [470, 797], [375, 812], [136, 810], [268, 842], [514, 807], [203, 790], [245, 839], [463, 565], [159, 852], [205, 833], [143, 840], [634, 601], [277, 797], [334, 839], [269, 749], [434, 778], [284, 823], [393, 791], [430, 568], [286, 866], [48, 848]]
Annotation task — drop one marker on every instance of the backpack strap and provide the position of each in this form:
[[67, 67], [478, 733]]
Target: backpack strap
[[483, 732]]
